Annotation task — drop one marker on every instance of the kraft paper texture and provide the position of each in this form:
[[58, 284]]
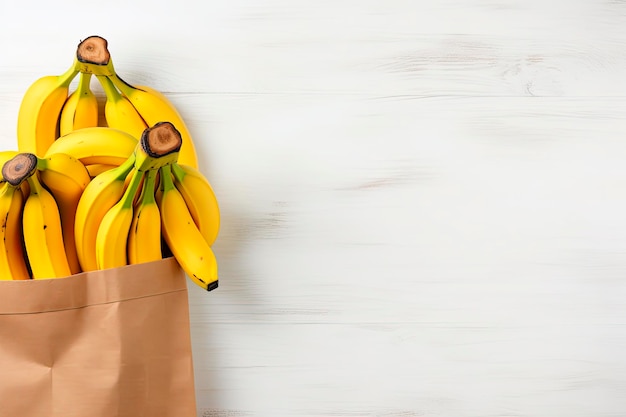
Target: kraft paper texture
[[113, 343]]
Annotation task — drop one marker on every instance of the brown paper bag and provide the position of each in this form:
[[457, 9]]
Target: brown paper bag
[[113, 343]]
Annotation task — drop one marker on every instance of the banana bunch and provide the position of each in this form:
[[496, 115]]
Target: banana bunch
[[80, 196], [38, 202], [148, 207], [50, 110], [59, 221]]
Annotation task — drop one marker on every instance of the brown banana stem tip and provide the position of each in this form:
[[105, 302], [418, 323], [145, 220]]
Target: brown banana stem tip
[[93, 50], [161, 139], [19, 168]]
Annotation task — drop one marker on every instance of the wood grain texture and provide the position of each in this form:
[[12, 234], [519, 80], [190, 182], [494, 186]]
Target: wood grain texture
[[423, 202]]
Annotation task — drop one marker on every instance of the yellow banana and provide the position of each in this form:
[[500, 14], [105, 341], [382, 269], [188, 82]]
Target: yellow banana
[[112, 234], [12, 259], [81, 107], [95, 169], [66, 178], [41, 224], [183, 237], [154, 107], [102, 193], [39, 112], [200, 199], [119, 112], [95, 145], [144, 239]]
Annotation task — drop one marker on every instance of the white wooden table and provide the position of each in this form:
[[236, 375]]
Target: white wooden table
[[424, 202]]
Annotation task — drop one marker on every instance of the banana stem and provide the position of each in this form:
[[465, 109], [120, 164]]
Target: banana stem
[[148, 187], [122, 85], [110, 91], [42, 164], [35, 185], [178, 172], [166, 182], [5, 188], [84, 84], [131, 191], [122, 170], [68, 76]]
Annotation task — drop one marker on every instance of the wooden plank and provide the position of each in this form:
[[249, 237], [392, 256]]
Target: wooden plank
[[466, 263]]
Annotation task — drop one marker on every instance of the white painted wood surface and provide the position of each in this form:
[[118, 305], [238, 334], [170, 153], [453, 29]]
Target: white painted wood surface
[[424, 202]]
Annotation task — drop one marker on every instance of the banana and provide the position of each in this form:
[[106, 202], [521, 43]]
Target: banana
[[113, 231], [12, 260], [41, 221], [66, 178], [154, 107], [81, 107], [95, 169], [95, 145], [200, 199], [39, 111], [119, 112], [102, 193], [144, 239], [183, 237]]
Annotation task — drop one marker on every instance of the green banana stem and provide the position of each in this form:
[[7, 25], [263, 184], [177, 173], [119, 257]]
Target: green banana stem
[[5, 188], [84, 84], [68, 76], [166, 183], [42, 163], [148, 187], [122, 85], [35, 185], [96, 69], [178, 171], [131, 191], [110, 91], [122, 170]]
